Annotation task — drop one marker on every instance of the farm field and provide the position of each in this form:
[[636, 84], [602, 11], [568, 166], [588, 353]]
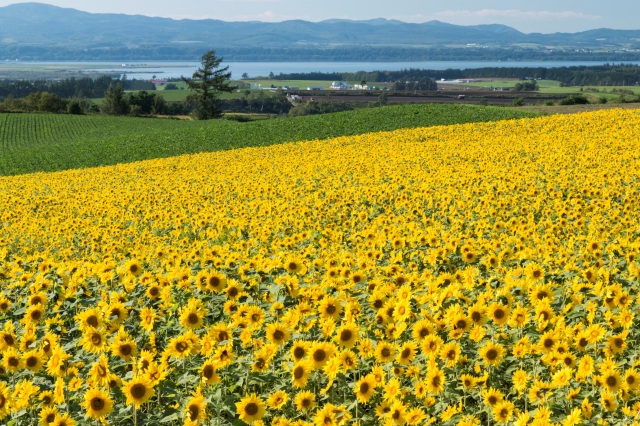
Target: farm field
[[480, 273], [41, 142]]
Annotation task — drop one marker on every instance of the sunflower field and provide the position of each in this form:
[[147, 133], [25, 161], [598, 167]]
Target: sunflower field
[[473, 274]]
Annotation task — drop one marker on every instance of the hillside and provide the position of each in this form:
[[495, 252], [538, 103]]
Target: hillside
[[41, 142], [45, 32]]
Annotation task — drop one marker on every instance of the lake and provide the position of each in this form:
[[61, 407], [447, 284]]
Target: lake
[[174, 69]]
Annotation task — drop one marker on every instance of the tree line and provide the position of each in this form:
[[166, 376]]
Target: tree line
[[600, 75]]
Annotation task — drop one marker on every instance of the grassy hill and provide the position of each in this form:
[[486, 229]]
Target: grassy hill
[[42, 143]]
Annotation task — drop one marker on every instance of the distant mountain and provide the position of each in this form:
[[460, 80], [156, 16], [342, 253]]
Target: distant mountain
[[40, 31]]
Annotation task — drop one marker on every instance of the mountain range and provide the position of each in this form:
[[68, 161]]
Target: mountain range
[[41, 31]]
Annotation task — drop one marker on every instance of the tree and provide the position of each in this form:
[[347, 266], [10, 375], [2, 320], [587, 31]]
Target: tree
[[114, 102], [206, 84]]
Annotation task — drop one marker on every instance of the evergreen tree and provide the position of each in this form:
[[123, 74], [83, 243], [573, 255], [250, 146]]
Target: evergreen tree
[[114, 102], [206, 84]]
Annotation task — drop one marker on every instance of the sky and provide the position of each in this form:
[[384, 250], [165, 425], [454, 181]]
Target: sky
[[541, 16]]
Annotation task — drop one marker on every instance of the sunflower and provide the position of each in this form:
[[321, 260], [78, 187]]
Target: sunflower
[[422, 329], [277, 399], [491, 397], [347, 335], [632, 379], [300, 373], [477, 313], [216, 282], [277, 333], [491, 353], [385, 352], [89, 318], [147, 318], [431, 345], [33, 360], [435, 381], [12, 361], [348, 359], [499, 313], [208, 372], [330, 308], [179, 347], [295, 266], [250, 408], [98, 403], [5, 400], [611, 380], [192, 315], [534, 272], [305, 400], [132, 267], [93, 340], [124, 346], [34, 314], [608, 400], [195, 409], [138, 391], [407, 353], [450, 353], [503, 411], [63, 420], [365, 388], [320, 353], [299, 350]]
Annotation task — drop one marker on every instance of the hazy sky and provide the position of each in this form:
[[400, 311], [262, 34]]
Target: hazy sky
[[545, 16]]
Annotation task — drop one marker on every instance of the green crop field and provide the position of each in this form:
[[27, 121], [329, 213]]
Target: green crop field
[[43, 142]]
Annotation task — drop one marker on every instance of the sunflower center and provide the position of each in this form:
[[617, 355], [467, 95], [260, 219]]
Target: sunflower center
[[97, 403], [298, 352], [461, 324], [96, 339], [9, 340], [364, 387], [278, 335], [298, 373], [125, 349], [35, 315], [346, 335], [498, 314], [331, 309], [31, 362], [251, 409], [181, 347], [612, 381], [406, 353], [319, 355], [492, 354], [193, 412], [13, 362], [138, 391], [92, 320], [193, 318], [207, 371]]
